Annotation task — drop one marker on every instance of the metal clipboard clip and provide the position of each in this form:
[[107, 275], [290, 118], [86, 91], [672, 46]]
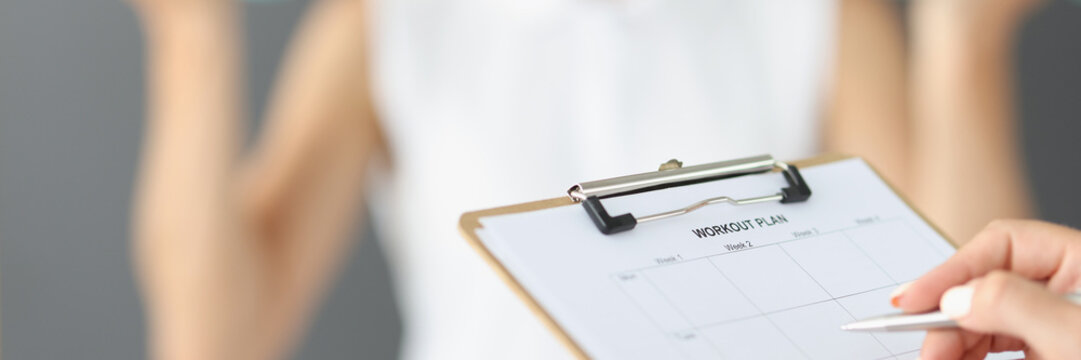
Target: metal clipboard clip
[[672, 174]]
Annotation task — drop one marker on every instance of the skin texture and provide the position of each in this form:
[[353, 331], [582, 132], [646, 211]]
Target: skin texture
[[1018, 270], [966, 157], [234, 247], [937, 115]]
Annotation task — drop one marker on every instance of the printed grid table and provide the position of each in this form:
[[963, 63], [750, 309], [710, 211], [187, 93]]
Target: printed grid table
[[783, 300]]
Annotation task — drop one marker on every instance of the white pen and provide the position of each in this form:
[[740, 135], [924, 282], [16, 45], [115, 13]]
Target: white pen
[[916, 322]]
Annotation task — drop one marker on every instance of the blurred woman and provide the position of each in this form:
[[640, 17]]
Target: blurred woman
[[429, 108]]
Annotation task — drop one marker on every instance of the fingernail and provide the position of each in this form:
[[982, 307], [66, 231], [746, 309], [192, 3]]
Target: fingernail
[[957, 301], [895, 296]]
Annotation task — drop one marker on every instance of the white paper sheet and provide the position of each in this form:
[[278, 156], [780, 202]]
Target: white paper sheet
[[778, 288]]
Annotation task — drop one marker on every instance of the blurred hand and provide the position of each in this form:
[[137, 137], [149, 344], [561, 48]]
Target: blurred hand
[[1005, 289]]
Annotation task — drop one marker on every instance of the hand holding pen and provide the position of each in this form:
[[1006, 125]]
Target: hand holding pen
[[1011, 288]]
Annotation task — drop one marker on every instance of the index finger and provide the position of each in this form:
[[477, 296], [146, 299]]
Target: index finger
[[1033, 249]]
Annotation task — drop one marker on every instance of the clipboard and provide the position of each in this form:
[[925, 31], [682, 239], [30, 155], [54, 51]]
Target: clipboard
[[588, 194]]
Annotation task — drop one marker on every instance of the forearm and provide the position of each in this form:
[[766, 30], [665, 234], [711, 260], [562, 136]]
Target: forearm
[[322, 90], [185, 232], [194, 73], [867, 114], [304, 178], [967, 163]]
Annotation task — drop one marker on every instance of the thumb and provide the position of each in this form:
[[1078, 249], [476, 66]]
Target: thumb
[[1005, 303]]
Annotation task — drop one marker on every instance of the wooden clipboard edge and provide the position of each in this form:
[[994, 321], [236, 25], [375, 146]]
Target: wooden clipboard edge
[[833, 157], [468, 226], [908, 203], [469, 223]]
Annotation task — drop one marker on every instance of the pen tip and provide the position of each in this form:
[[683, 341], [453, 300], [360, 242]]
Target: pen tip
[[858, 326]]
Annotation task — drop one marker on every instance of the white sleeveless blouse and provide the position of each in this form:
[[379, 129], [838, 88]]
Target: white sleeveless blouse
[[494, 102]]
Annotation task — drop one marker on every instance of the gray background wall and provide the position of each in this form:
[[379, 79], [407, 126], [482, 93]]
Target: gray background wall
[[70, 125]]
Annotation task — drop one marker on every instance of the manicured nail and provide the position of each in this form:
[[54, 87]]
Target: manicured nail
[[895, 296], [957, 301]]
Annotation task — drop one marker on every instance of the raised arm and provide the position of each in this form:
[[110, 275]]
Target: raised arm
[[867, 114], [936, 116], [967, 157], [193, 255], [305, 177], [234, 250]]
